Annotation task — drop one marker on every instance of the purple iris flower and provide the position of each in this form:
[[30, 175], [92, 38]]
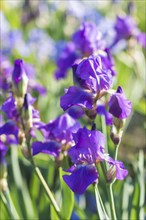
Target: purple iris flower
[[92, 80], [65, 60], [61, 129], [119, 106], [76, 96], [85, 154], [87, 39], [91, 75]]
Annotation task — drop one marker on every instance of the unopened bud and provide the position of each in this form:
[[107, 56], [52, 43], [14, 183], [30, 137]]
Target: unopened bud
[[111, 174], [20, 79], [27, 114], [116, 135], [119, 123]]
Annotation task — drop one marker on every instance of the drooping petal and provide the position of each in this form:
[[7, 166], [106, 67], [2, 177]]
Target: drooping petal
[[76, 96], [121, 172], [51, 147], [81, 178]]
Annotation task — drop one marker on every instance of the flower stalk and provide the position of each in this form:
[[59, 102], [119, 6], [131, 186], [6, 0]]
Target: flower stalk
[[8, 203]]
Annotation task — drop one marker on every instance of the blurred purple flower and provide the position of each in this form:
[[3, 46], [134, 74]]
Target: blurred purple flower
[[88, 39], [141, 38], [125, 27], [119, 106], [5, 72], [65, 60]]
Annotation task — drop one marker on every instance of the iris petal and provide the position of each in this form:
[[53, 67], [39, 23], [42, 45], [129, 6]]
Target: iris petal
[[53, 148], [81, 178]]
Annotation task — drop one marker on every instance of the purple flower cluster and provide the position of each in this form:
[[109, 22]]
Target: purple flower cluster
[[93, 81], [89, 39], [18, 109], [87, 152]]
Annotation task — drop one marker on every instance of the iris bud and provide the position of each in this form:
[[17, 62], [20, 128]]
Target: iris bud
[[20, 81], [27, 115], [111, 174]]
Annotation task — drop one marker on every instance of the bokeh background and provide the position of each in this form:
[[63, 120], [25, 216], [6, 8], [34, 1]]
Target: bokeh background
[[36, 31]]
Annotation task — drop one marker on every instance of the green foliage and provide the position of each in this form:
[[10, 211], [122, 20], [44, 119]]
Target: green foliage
[[67, 198]]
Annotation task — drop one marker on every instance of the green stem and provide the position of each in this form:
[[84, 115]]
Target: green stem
[[116, 152], [103, 123], [8, 203], [110, 193], [46, 188], [111, 201], [100, 207], [39, 174]]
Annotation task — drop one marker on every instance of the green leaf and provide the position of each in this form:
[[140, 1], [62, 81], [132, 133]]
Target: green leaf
[[67, 198], [134, 215], [138, 198], [53, 213]]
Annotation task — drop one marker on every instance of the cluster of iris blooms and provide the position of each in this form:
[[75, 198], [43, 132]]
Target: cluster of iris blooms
[[92, 94]]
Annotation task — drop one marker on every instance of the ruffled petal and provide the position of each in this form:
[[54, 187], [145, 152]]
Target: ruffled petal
[[76, 96], [81, 178], [121, 172], [88, 147]]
